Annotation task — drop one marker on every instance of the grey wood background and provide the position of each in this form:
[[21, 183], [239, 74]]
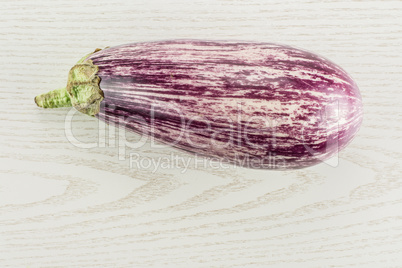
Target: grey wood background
[[62, 205]]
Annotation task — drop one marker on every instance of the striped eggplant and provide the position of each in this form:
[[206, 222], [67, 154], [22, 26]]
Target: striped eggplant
[[258, 105]]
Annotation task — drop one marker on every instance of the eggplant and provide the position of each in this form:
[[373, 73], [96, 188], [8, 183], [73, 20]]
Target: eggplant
[[253, 104]]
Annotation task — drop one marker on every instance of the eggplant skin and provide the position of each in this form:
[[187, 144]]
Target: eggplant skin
[[258, 105]]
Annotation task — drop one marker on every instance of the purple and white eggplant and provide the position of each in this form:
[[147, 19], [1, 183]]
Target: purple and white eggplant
[[259, 105]]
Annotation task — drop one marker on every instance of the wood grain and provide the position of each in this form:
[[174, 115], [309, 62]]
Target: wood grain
[[66, 206]]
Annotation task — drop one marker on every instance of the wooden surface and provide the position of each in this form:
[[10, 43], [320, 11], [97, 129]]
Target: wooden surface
[[62, 205]]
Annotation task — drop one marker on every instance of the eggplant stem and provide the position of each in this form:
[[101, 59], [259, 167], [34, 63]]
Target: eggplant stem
[[54, 99], [82, 92]]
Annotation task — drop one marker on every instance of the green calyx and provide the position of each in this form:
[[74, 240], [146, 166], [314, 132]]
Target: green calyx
[[83, 88], [82, 91]]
